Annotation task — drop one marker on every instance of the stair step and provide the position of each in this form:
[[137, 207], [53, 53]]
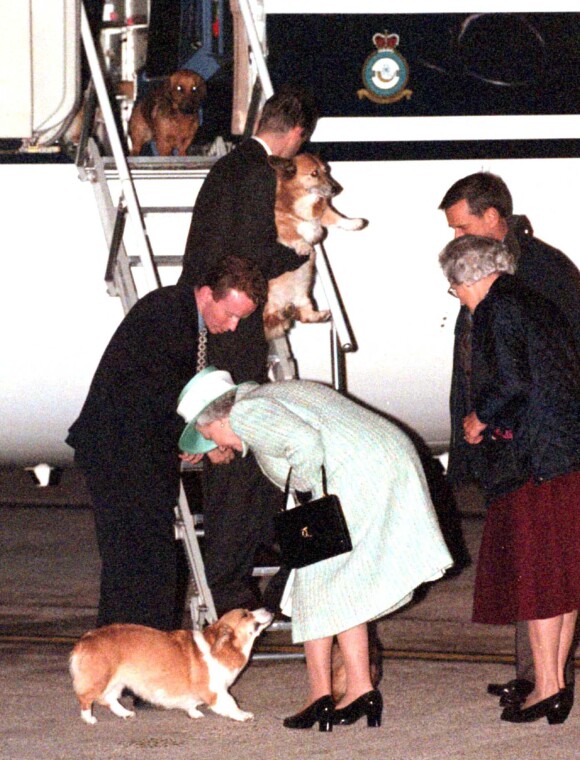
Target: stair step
[[160, 261], [161, 167], [166, 210]]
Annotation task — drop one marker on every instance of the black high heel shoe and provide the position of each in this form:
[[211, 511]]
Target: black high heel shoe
[[555, 709], [321, 712], [369, 704]]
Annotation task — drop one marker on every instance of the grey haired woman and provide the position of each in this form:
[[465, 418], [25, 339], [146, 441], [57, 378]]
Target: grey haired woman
[[373, 468], [525, 425]]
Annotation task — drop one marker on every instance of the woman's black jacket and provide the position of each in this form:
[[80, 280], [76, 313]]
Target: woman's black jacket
[[526, 379]]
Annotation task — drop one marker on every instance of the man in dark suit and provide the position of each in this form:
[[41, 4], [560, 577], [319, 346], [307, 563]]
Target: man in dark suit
[[126, 437], [234, 213], [481, 204]]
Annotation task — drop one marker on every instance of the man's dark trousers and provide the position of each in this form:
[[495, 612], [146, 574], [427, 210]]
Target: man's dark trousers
[[138, 551]]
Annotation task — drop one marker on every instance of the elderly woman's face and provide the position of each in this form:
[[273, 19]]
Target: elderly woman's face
[[473, 294], [221, 434], [466, 295]]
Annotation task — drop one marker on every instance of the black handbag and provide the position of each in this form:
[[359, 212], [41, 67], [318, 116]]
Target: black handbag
[[312, 531]]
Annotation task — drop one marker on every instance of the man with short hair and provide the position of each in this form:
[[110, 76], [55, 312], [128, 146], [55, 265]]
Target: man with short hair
[[126, 437], [481, 204], [234, 213]]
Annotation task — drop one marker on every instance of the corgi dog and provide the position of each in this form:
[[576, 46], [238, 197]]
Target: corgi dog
[[303, 213], [175, 669]]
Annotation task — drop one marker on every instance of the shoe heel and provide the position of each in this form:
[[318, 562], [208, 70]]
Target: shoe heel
[[559, 712], [325, 725], [556, 717], [555, 720], [373, 721]]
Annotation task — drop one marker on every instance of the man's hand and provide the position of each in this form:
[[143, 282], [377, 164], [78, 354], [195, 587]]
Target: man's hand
[[473, 428], [191, 458], [221, 455]]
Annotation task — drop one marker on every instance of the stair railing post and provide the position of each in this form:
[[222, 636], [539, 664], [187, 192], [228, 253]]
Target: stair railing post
[[126, 181], [256, 48]]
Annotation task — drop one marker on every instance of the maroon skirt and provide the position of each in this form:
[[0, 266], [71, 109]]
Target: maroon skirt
[[529, 559]]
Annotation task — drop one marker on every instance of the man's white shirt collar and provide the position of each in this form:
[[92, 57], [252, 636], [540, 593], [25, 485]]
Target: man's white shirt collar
[[263, 144]]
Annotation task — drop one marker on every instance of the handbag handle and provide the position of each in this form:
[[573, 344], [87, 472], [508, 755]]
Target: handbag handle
[[287, 488]]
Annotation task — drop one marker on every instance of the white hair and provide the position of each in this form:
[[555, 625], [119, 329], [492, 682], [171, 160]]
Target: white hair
[[470, 258], [218, 409]]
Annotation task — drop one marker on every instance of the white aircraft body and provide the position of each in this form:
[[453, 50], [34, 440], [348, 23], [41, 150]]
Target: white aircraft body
[[57, 316]]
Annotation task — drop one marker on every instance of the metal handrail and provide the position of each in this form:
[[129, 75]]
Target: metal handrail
[[343, 337], [127, 187], [344, 334]]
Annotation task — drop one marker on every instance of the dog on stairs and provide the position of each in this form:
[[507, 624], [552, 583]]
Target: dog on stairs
[[303, 213], [168, 114], [175, 669]]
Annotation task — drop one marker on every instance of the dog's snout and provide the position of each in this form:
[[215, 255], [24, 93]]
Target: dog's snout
[[262, 617], [189, 107]]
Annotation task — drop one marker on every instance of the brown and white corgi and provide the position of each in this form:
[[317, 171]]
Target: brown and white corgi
[[303, 212], [175, 669]]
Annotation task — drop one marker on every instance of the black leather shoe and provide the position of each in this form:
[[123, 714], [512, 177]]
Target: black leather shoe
[[369, 704], [555, 709], [567, 697], [321, 712], [511, 693]]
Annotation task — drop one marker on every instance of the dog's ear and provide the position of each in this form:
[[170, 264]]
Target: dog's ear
[[222, 634], [283, 166]]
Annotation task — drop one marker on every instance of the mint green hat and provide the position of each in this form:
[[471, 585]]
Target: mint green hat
[[202, 390]]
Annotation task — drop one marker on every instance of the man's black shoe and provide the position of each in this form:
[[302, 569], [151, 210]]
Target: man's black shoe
[[511, 693]]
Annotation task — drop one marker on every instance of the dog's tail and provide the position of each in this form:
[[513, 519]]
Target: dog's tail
[[89, 671]]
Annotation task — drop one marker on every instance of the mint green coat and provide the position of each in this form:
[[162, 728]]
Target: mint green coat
[[374, 469]]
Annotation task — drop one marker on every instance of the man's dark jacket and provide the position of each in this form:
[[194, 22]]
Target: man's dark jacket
[[526, 379], [546, 271], [234, 215], [129, 422]]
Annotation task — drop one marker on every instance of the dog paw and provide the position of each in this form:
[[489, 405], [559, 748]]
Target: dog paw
[[243, 716], [193, 713], [121, 712], [302, 248], [309, 316], [88, 717], [352, 224]]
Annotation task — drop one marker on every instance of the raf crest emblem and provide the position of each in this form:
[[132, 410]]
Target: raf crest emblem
[[385, 72]]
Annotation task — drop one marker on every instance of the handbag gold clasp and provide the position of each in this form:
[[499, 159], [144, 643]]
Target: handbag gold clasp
[[305, 532]]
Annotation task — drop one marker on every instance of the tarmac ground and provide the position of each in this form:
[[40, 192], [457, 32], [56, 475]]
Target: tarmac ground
[[436, 666]]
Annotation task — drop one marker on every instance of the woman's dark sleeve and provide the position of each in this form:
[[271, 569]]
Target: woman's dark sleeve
[[499, 333]]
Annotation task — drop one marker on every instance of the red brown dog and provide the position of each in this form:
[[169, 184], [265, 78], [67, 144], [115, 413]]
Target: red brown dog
[[303, 212], [168, 114]]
